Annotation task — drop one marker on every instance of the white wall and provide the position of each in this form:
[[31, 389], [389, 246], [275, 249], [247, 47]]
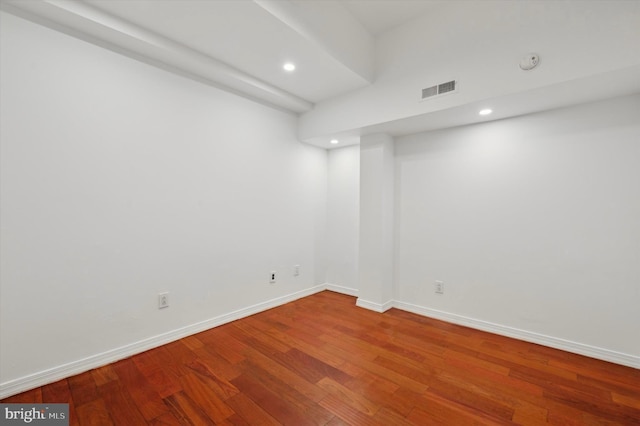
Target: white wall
[[532, 223], [120, 181], [480, 43], [343, 219]]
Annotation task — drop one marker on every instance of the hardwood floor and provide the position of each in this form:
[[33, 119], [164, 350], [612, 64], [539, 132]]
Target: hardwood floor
[[323, 361]]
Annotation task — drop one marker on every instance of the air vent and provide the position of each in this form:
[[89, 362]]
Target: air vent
[[449, 86], [429, 91], [440, 89]]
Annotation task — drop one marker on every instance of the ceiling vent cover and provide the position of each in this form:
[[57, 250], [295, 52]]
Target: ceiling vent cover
[[429, 92], [440, 89]]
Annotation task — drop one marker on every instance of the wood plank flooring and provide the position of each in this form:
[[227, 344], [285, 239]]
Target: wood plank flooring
[[323, 361]]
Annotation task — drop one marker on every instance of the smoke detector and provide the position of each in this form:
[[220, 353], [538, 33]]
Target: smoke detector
[[529, 61]]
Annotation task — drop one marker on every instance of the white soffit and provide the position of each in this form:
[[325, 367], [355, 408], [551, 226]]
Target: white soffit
[[622, 82], [599, 87]]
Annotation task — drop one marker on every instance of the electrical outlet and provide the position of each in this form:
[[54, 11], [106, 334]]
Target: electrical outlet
[[439, 287], [272, 277], [296, 270], [163, 300]]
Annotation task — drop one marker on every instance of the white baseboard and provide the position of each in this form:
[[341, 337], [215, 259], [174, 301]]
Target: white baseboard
[[342, 289], [527, 336], [372, 306], [42, 378], [45, 377]]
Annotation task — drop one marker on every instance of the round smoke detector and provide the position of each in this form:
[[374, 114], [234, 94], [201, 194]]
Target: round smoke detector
[[529, 61]]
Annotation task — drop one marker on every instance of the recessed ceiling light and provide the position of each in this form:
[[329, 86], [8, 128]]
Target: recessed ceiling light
[[334, 141], [485, 111], [289, 67]]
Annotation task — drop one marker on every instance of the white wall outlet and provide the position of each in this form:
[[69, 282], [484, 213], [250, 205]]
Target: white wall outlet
[[296, 270], [163, 300], [439, 287], [272, 277]]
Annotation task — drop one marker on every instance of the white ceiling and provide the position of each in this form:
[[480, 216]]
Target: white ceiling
[[246, 36], [254, 38], [242, 44]]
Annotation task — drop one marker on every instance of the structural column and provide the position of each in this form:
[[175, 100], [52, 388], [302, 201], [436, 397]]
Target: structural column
[[376, 256]]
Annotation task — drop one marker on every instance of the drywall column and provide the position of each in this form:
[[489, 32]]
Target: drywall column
[[376, 222]]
